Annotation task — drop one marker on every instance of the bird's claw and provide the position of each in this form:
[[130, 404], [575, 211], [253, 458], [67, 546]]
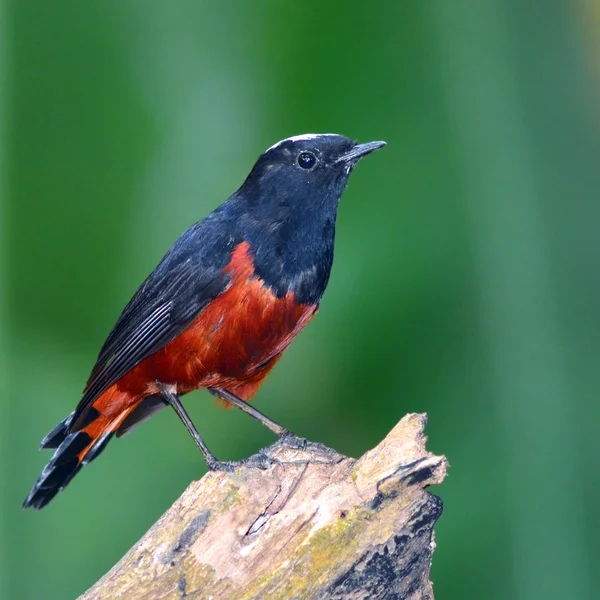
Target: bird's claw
[[260, 460], [291, 440]]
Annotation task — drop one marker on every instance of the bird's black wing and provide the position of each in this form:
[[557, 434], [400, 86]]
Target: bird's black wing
[[188, 278]]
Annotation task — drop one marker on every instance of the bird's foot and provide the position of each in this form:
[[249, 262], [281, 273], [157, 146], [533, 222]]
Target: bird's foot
[[291, 440], [261, 460]]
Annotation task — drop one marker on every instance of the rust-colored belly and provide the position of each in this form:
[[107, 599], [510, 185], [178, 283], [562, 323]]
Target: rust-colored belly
[[232, 344]]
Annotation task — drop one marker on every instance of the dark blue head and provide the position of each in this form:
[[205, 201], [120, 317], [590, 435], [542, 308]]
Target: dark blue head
[[305, 172], [286, 210]]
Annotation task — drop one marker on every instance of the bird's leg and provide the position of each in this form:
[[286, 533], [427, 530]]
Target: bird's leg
[[286, 437], [172, 399], [278, 430], [262, 461]]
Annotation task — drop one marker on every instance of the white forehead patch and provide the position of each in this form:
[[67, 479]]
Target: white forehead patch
[[305, 137]]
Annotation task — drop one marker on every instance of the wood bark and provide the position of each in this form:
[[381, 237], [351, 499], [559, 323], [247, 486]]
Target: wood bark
[[317, 526]]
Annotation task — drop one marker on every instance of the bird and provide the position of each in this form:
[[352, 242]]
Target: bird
[[220, 308]]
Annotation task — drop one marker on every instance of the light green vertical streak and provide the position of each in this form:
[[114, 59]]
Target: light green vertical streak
[[204, 128], [529, 382]]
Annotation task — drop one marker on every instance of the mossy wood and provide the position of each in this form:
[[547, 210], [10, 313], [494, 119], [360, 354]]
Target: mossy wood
[[320, 525]]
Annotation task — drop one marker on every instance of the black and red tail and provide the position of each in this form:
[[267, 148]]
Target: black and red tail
[[73, 450]]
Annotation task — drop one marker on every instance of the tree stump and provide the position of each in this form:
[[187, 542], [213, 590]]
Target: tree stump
[[317, 525]]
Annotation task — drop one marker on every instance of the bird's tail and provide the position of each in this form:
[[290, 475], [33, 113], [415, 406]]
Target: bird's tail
[[73, 450]]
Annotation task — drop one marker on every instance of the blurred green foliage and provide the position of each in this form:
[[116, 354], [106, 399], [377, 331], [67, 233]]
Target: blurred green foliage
[[466, 276]]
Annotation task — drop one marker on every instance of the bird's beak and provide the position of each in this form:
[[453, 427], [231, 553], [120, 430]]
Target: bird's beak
[[359, 151]]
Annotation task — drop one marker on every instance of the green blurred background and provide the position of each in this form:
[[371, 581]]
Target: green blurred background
[[466, 279]]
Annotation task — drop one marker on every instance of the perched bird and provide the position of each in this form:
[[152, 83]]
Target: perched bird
[[220, 308]]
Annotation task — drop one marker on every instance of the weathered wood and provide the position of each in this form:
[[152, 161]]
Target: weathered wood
[[319, 526]]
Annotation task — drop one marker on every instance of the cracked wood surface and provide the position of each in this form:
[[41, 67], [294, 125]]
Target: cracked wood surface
[[319, 526]]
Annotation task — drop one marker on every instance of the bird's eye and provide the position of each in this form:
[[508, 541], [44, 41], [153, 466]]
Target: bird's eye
[[307, 160]]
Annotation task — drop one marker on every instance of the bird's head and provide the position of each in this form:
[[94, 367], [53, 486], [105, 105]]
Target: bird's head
[[310, 170]]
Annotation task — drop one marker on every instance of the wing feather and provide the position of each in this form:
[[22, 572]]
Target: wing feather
[[188, 278]]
